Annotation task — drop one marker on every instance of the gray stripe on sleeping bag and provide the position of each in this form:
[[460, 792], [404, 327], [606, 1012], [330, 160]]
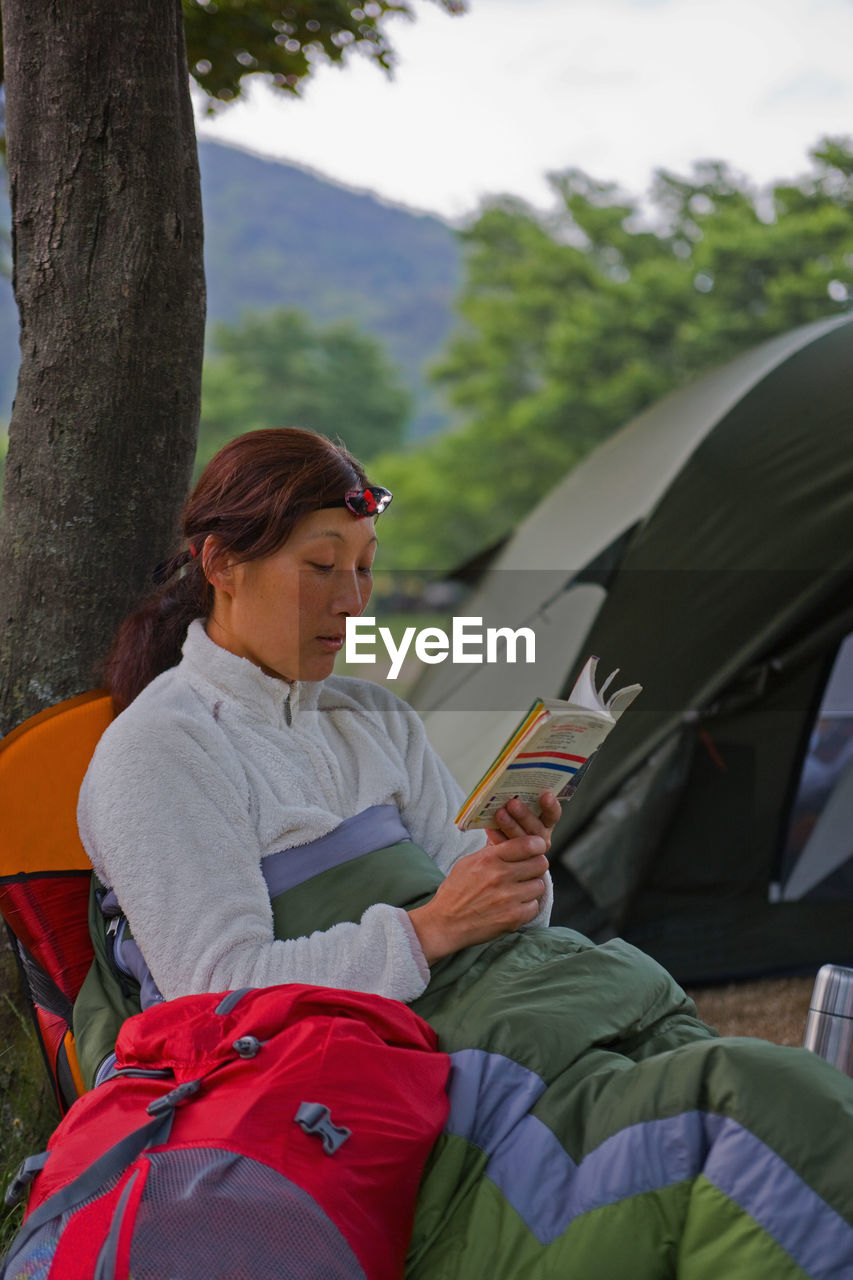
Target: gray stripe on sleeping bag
[[373, 828], [131, 961], [752, 1175], [489, 1100]]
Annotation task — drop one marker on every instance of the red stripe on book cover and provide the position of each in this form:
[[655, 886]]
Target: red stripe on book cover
[[549, 755]]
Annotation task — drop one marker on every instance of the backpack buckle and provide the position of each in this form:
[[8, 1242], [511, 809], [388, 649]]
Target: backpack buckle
[[314, 1118]]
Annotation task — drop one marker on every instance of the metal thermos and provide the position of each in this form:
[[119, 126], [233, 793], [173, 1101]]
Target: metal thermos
[[829, 1025]]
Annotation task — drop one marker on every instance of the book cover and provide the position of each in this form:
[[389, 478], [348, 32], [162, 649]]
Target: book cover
[[550, 749]]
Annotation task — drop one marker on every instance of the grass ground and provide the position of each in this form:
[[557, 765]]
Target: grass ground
[[774, 1009], [28, 1111]]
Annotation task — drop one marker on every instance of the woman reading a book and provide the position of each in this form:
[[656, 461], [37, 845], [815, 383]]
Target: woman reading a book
[[260, 820], [247, 747]]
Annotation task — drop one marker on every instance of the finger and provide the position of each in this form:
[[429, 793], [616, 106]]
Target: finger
[[551, 810], [521, 849], [506, 821], [534, 869], [529, 911], [524, 818], [534, 889]]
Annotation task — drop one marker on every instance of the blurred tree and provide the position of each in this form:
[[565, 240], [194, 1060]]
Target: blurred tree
[[277, 368], [228, 39], [575, 320], [108, 277]]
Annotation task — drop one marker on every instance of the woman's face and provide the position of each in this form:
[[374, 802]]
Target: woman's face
[[287, 612]]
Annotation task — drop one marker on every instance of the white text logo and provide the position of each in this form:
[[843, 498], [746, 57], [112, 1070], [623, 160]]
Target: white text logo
[[466, 643]]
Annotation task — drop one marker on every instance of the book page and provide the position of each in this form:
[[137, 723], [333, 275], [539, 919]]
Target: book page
[[584, 693]]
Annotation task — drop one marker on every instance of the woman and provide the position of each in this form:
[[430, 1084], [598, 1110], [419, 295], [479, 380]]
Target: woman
[[240, 752], [262, 821]]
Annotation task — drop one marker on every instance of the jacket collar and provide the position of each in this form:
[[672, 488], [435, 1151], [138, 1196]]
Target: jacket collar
[[216, 673]]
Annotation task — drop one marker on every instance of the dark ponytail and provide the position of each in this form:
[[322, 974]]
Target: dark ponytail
[[250, 497], [149, 639]]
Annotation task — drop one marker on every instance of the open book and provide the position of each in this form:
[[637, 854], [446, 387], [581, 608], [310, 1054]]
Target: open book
[[550, 749]]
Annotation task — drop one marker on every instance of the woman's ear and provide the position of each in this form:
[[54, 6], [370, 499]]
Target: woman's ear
[[217, 566]]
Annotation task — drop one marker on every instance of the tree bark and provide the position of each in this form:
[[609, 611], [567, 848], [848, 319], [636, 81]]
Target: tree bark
[[109, 281]]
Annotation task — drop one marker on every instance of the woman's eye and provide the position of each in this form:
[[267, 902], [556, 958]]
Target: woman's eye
[[321, 568], [366, 571]]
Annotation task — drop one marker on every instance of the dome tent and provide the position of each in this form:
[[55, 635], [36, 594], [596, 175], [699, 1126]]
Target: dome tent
[[707, 549]]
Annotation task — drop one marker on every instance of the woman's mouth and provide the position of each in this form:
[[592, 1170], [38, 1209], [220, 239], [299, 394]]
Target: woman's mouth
[[332, 644]]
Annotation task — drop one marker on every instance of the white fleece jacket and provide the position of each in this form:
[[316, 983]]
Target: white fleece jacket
[[202, 777]]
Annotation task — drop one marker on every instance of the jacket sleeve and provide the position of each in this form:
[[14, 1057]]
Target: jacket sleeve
[[164, 815]]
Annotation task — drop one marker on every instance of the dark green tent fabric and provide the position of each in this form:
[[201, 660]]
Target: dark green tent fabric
[[733, 589], [751, 536]]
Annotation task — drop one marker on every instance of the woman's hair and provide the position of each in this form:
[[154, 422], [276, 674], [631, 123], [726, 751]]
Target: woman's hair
[[250, 496]]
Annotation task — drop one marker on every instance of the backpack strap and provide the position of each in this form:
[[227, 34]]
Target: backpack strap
[[22, 1178], [110, 1165]]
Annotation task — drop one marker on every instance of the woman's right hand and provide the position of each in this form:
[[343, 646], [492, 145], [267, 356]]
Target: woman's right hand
[[493, 891]]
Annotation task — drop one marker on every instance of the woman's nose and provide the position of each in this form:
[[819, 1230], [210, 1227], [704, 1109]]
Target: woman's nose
[[352, 592]]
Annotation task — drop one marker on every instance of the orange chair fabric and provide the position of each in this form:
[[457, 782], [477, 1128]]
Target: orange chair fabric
[[42, 764], [44, 871]]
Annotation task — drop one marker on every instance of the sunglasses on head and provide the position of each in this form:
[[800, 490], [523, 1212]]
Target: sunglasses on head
[[371, 501]]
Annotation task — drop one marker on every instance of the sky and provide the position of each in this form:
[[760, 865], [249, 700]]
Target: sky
[[492, 101]]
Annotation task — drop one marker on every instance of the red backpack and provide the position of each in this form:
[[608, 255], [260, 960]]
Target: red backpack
[[270, 1134]]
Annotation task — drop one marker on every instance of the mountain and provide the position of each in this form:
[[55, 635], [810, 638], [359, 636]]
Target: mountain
[[10, 355], [279, 236]]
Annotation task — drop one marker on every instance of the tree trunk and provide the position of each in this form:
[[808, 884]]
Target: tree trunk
[[109, 280]]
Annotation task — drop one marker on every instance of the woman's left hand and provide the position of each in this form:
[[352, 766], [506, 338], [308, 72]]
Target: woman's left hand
[[516, 819]]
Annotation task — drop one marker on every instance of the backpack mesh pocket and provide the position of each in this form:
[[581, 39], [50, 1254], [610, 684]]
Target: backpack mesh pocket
[[34, 1262], [209, 1212]]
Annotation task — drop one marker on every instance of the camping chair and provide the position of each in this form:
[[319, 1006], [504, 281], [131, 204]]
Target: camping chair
[[44, 872]]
